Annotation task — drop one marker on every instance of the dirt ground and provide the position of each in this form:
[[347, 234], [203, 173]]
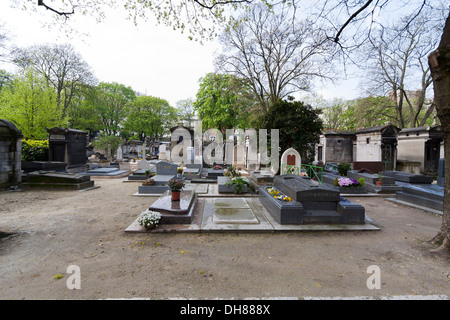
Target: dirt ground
[[52, 230]]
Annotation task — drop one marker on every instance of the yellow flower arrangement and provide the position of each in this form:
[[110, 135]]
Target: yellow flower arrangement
[[276, 195]]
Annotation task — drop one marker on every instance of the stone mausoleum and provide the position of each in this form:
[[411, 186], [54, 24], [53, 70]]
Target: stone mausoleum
[[10, 154]]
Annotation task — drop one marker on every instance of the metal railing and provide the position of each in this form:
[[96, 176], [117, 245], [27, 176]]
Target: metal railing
[[314, 172]]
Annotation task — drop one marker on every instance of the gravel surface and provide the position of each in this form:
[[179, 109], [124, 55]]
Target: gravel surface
[[42, 233]]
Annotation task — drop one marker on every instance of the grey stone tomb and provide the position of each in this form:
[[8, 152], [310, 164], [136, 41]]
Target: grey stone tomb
[[164, 172]]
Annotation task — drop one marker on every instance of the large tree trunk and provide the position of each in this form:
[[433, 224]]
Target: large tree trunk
[[439, 62]]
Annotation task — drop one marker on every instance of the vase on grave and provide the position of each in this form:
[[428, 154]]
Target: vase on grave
[[150, 226], [176, 195]]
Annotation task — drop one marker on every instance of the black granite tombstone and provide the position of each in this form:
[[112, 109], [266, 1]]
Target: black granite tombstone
[[312, 203], [69, 146]]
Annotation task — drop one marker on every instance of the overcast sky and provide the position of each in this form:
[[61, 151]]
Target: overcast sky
[[153, 60]]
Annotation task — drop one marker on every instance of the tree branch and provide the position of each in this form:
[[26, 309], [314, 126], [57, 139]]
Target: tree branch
[[353, 16], [61, 13]]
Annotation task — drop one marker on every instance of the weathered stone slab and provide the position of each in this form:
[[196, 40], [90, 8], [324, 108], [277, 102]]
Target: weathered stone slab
[[233, 211]]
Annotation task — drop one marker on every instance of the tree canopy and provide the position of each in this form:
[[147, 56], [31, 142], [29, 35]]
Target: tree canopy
[[223, 101], [299, 126]]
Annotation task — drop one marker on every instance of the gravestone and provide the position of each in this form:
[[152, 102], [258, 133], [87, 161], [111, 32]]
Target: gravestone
[[303, 189], [312, 203], [164, 172], [162, 152], [119, 154], [290, 162], [238, 156], [143, 165], [166, 168], [260, 177], [425, 195], [192, 171], [69, 146]]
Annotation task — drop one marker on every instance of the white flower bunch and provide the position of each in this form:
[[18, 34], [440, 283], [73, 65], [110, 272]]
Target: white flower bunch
[[147, 218]]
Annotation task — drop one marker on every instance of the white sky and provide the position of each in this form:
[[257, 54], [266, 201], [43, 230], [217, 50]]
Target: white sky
[[154, 60]]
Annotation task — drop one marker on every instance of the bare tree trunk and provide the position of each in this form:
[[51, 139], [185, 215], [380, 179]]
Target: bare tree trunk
[[439, 61]]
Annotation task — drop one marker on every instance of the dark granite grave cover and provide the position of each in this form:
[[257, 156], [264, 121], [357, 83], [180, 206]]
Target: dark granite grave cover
[[304, 189]]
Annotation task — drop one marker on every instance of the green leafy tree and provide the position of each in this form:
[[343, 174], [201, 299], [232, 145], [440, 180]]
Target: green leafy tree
[[61, 66], [299, 126], [223, 101], [5, 79], [110, 103], [149, 117], [82, 114], [186, 112], [31, 105]]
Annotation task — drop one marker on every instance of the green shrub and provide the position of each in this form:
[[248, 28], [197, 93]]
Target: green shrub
[[343, 168], [361, 182], [34, 150], [336, 182]]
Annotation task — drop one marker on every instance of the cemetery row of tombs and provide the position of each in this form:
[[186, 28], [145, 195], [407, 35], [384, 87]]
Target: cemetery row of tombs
[[243, 192]]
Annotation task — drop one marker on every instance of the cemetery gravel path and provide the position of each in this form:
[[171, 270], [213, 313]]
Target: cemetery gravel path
[[52, 230]]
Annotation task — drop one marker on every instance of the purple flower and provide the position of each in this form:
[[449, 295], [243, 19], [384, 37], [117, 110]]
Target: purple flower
[[347, 182]]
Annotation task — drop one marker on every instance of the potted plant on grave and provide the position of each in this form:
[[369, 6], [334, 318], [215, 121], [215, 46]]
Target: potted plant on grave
[[149, 219], [343, 168], [239, 183], [379, 182], [176, 185], [149, 174]]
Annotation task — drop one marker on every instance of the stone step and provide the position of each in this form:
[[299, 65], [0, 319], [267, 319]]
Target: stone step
[[314, 216]]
